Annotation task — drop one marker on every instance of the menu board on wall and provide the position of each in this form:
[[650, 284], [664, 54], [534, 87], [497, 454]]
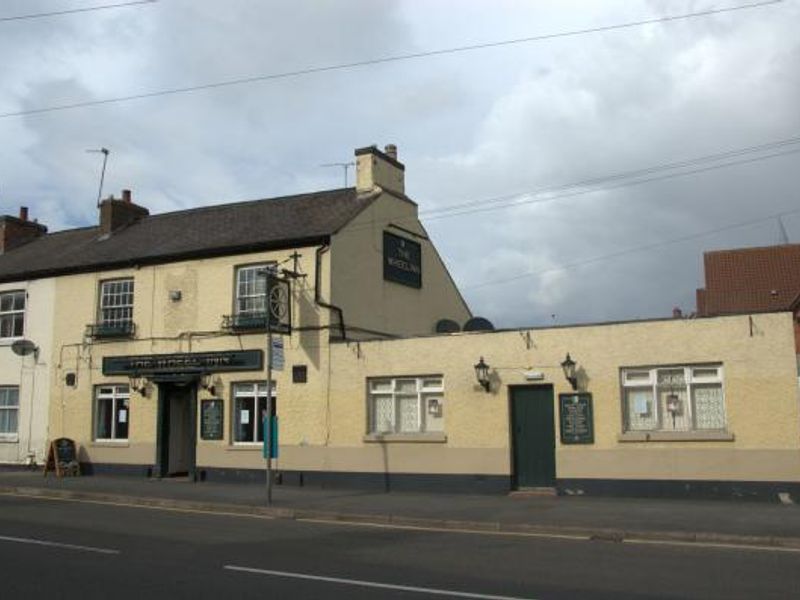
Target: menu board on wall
[[211, 419], [576, 418]]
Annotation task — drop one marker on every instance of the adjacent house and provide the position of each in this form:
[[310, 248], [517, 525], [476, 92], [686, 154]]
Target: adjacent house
[[752, 280], [26, 329]]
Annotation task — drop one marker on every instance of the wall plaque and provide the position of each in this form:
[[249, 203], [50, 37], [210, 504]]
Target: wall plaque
[[402, 260], [212, 419], [576, 418]]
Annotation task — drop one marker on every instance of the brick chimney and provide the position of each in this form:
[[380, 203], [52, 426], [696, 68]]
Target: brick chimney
[[16, 231], [379, 169], [119, 212]]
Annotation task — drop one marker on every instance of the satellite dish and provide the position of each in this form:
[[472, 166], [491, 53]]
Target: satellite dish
[[447, 326], [478, 324], [24, 347]]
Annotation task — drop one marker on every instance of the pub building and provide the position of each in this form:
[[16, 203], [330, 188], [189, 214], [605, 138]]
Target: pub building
[[381, 376]]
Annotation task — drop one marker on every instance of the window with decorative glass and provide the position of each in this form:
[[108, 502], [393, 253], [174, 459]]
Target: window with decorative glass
[[9, 412], [675, 398], [111, 412], [249, 410], [116, 304], [406, 404], [12, 314]]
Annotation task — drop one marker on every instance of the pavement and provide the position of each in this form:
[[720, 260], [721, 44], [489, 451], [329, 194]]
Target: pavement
[[613, 519]]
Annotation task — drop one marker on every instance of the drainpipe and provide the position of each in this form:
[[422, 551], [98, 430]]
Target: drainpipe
[[318, 284]]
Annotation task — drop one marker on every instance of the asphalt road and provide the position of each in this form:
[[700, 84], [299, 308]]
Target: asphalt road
[[59, 549]]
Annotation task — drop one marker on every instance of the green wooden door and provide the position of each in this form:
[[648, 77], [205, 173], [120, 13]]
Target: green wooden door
[[533, 436]]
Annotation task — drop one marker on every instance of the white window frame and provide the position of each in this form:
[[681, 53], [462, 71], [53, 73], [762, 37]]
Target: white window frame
[[254, 290], [13, 312], [255, 391], [694, 376], [5, 409], [117, 393], [113, 314], [425, 386]]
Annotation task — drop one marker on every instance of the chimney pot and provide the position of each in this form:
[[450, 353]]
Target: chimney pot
[[126, 195], [23, 213], [391, 151], [677, 313]]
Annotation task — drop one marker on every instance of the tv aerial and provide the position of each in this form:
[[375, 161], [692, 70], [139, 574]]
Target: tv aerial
[[105, 152], [344, 165]]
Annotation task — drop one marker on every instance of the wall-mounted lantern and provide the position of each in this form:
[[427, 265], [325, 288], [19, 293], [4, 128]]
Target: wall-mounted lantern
[[569, 371], [209, 384], [482, 373]]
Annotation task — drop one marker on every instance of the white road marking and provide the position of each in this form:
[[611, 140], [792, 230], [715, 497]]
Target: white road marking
[[372, 584], [6, 538], [719, 545], [527, 534]]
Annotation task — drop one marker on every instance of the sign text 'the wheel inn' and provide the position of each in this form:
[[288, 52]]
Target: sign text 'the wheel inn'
[[196, 362], [402, 260]]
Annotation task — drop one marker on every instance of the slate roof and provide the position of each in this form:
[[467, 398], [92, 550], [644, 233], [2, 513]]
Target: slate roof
[[750, 280], [219, 230]]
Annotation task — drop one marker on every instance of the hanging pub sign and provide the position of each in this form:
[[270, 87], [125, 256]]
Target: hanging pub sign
[[279, 304], [211, 419], [402, 260], [576, 418], [195, 362]]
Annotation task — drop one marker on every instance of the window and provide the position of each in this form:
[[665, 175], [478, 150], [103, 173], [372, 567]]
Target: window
[[683, 398], [406, 405], [116, 304], [249, 409], [12, 314], [251, 290], [9, 412], [111, 412]]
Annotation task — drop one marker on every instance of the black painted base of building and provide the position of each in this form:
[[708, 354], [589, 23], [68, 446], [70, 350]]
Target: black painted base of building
[[763, 491]]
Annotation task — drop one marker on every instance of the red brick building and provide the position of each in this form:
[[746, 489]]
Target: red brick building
[[752, 280]]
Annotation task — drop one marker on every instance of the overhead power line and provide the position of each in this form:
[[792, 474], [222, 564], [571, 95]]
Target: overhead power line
[[386, 59], [622, 184], [718, 156], [633, 250], [57, 13], [614, 181]]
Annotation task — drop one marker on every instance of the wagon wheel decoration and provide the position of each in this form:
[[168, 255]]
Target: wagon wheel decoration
[[278, 303]]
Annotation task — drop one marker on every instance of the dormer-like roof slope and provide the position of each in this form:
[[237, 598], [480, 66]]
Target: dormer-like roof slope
[[225, 229]]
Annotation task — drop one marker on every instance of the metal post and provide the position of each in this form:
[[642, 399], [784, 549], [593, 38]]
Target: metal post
[[268, 419]]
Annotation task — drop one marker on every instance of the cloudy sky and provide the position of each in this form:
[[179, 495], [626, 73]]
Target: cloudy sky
[[572, 178]]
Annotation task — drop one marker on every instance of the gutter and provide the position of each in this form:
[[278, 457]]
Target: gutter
[[318, 284]]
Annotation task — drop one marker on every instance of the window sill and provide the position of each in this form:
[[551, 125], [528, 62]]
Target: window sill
[[431, 437], [9, 439], [675, 436], [251, 446], [8, 341], [110, 444]]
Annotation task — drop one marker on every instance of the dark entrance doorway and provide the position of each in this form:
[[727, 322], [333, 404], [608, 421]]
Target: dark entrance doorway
[[533, 436], [177, 426]]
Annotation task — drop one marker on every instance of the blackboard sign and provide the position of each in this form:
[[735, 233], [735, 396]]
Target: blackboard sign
[[402, 260], [62, 457], [576, 418], [211, 419]]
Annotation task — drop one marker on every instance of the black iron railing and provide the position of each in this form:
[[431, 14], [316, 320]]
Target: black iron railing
[[124, 329], [245, 322]]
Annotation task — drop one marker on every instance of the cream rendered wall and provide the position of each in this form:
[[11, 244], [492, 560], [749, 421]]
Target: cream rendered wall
[[30, 373], [371, 303], [189, 325], [760, 385]]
